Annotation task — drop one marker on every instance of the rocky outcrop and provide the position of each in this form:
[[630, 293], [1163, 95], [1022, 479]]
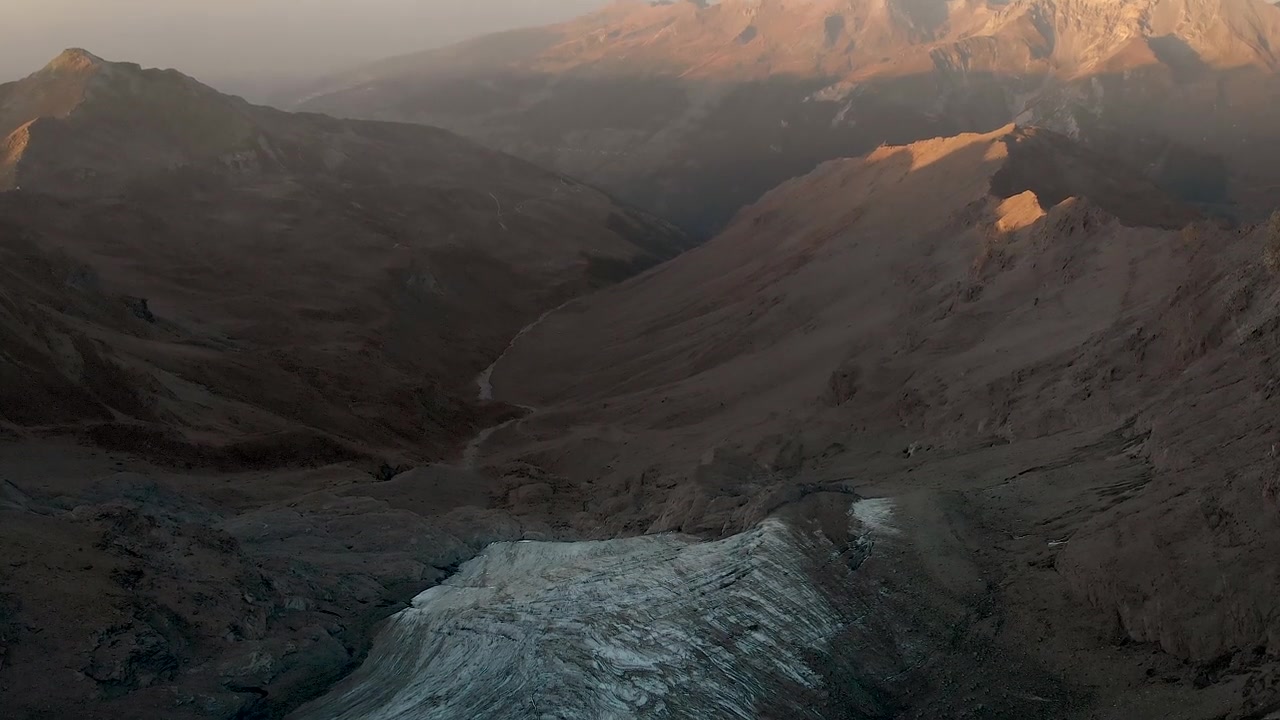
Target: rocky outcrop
[[139, 595]]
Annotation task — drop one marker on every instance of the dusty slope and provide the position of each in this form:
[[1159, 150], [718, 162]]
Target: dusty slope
[[307, 279], [695, 111], [1058, 384], [903, 252]]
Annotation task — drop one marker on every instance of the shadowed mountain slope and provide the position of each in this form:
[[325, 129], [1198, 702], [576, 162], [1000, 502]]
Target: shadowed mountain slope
[[181, 259]]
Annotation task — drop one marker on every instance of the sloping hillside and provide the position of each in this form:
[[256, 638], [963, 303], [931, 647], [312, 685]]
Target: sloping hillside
[[248, 275], [254, 318], [913, 255]]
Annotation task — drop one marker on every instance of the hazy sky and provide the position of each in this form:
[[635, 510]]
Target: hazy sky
[[270, 39]]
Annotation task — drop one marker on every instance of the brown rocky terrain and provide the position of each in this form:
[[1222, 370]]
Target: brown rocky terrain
[[1059, 375], [129, 590], [176, 259], [226, 334], [695, 109]]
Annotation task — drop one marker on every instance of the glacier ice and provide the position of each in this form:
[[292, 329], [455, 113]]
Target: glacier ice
[[660, 626]]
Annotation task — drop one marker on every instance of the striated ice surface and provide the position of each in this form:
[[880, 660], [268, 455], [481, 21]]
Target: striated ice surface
[[650, 627]]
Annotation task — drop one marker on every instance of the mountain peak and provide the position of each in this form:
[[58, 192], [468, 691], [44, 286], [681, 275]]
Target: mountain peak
[[127, 121], [74, 60]]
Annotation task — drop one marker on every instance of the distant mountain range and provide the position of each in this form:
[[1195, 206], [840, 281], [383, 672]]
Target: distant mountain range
[[693, 109]]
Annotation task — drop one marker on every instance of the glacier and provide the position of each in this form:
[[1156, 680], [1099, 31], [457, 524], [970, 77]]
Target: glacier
[[658, 626]]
